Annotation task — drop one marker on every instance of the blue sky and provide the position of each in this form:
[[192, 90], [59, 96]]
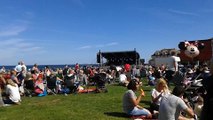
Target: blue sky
[[73, 31]]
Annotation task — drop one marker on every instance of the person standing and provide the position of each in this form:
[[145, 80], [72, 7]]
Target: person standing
[[18, 67], [2, 70], [206, 113], [35, 68], [77, 67], [172, 67]]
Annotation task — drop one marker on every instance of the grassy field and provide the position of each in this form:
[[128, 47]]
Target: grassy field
[[84, 106]]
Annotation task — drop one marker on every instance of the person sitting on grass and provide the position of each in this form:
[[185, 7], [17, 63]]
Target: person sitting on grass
[[131, 101], [123, 79], [160, 90], [12, 92], [39, 87], [2, 83], [172, 105]]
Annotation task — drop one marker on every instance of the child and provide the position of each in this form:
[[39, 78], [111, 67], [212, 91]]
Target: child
[[58, 85], [39, 87]]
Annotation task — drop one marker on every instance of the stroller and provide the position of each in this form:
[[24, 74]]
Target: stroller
[[51, 85], [100, 80], [193, 86], [194, 89], [70, 85], [29, 88]]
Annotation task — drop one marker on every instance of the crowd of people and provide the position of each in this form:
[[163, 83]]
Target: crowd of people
[[166, 103], [171, 98], [20, 81]]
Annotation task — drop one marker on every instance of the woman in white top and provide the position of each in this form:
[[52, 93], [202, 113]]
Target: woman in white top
[[123, 79], [12, 91], [160, 90]]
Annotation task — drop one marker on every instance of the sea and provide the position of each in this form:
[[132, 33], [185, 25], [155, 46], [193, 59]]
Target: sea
[[10, 67]]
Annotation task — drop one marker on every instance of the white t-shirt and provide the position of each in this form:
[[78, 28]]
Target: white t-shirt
[[155, 94], [122, 78], [170, 107], [173, 64], [13, 93], [18, 68], [127, 103]]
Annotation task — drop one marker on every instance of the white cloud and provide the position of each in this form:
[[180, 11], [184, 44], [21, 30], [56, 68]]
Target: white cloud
[[12, 31], [12, 48], [112, 44], [10, 42], [107, 44], [31, 49], [24, 45], [15, 26], [182, 12], [85, 47], [99, 46]]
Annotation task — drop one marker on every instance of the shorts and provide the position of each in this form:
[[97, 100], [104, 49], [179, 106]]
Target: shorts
[[137, 111]]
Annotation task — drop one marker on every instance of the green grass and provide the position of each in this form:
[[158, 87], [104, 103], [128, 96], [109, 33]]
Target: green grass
[[89, 106]]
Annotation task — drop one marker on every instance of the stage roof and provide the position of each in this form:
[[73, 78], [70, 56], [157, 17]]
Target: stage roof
[[120, 57], [122, 54]]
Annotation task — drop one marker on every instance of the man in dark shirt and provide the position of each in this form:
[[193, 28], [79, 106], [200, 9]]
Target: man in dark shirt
[[206, 113]]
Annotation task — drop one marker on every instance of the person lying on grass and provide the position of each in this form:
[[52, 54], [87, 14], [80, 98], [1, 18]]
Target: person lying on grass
[[131, 101]]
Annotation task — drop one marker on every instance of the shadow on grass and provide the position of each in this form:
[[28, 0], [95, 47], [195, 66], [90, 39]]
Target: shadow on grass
[[117, 114]]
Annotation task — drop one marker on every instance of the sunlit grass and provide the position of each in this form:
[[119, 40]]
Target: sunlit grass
[[89, 106]]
